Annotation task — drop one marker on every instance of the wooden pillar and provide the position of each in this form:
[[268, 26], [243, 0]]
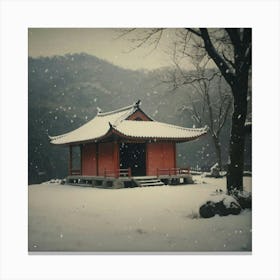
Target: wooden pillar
[[97, 158], [70, 161], [116, 158], [81, 159], [175, 154]]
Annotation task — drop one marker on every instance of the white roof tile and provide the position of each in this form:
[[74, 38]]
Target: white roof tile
[[159, 130]]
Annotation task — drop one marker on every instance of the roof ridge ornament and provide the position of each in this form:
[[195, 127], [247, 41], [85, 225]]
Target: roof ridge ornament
[[111, 125], [99, 110], [137, 103]]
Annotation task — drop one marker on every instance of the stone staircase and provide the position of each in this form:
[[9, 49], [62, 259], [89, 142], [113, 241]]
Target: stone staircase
[[148, 181]]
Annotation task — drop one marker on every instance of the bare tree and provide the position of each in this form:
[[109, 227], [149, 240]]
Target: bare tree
[[230, 49], [235, 68], [205, 109]]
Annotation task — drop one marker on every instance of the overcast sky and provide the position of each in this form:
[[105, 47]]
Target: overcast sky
[[102, 43]]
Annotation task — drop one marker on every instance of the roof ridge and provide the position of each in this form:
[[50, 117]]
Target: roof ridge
[[192, 133], [134, 105], [179, 127]]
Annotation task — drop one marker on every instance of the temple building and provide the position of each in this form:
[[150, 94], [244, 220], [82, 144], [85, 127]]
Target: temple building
[[125, 143]]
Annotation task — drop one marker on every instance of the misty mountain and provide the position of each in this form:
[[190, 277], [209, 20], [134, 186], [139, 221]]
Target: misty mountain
[[65, 91]]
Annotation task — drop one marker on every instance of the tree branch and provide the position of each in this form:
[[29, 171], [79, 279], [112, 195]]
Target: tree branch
[[148, 36], [194, 32], [124, 32], [199, 79], [219, 61]]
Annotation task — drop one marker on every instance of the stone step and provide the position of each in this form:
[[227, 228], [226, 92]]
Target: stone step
[[139, 178], [152, 184], [148, 181]]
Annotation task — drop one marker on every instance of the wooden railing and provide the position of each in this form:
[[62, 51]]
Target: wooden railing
[[126, 172], [172, 171], [123, 172], [75, 172]]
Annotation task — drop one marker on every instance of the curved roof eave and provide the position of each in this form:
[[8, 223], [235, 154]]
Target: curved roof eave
[[145, 138], [107, 134], [114, 131]]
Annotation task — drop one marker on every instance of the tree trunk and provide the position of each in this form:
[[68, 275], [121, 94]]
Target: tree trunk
[[218, 151], [237, 139], [238, 81]]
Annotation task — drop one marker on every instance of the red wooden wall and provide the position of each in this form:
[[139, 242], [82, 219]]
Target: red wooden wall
[[160, 155], [89, 160], [108, 157]]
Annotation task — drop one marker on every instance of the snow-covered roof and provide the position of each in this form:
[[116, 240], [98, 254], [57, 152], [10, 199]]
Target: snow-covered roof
[[157, 130], [115, 122]]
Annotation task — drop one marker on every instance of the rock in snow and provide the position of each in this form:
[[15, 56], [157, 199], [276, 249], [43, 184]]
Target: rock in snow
[[220, 204], [244, 198]]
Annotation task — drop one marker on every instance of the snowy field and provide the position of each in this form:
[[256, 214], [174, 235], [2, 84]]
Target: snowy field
[[155, 219]]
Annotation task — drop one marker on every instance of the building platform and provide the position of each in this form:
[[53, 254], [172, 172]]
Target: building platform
[[128, 182]]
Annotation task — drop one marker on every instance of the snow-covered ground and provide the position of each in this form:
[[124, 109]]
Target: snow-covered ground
[[155, 219]]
